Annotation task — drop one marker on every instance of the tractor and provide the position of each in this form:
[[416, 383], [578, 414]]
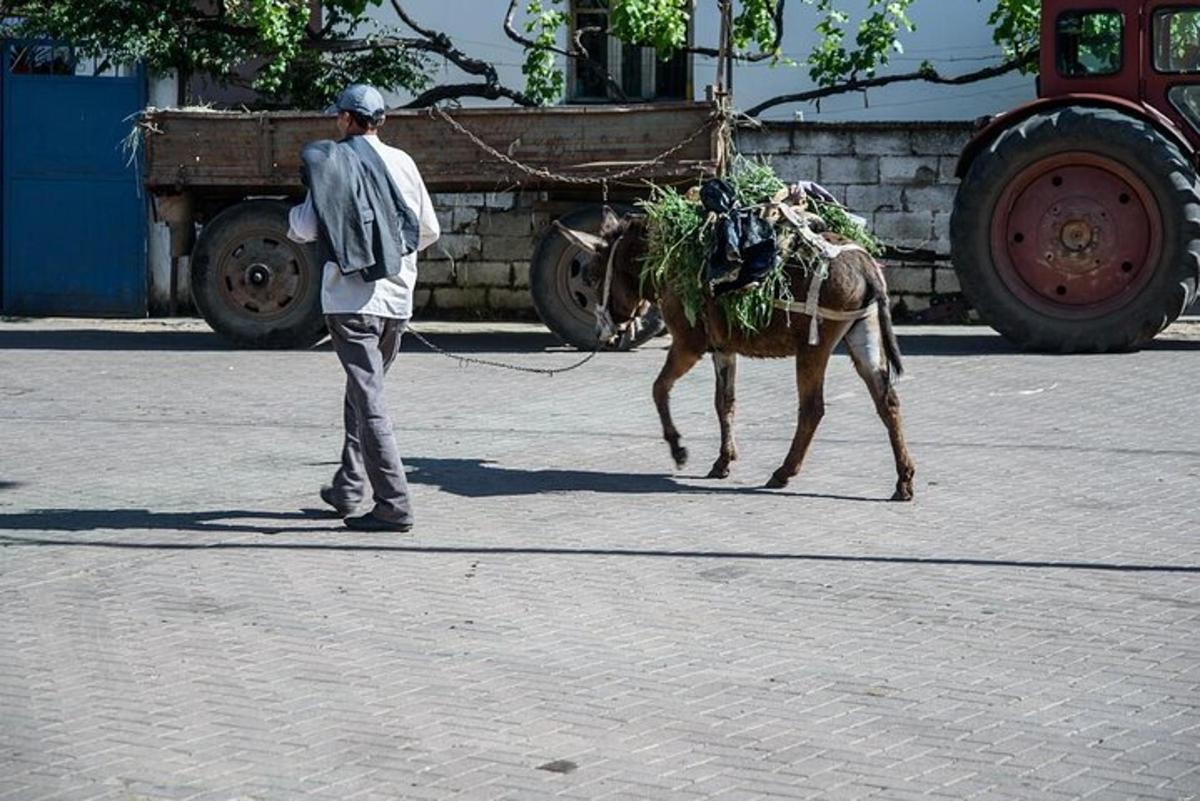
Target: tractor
[[1076, 226]]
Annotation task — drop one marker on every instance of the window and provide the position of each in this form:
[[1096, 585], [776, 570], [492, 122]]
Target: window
[[41, 60], [1186, 100], [57, 59], [636, 70], [1177, 40], [1089, 43]]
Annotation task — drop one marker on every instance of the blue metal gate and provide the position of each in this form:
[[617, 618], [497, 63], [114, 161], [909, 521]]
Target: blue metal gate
[[73, 221]]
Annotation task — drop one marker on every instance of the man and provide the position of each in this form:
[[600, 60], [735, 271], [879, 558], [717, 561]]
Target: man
[[370, 213]]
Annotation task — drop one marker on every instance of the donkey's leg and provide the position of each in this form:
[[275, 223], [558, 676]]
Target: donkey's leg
[[680, 359], [726, 369], [866, 350], [810, 387]]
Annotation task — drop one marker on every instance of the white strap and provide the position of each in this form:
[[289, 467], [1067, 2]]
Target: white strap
[[811, 307], [823, 313]]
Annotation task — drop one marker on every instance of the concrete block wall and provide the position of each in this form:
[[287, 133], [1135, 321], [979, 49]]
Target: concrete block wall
[[900, 176], [480, 266]]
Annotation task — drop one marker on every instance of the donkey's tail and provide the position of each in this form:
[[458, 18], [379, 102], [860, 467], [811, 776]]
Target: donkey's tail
[[891, 346]]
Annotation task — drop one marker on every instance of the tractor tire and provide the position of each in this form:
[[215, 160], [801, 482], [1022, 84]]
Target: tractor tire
[[253, 285], [1078, 230], [563, 295]]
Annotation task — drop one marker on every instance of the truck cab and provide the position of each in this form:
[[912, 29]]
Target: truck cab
[[1144, 52]]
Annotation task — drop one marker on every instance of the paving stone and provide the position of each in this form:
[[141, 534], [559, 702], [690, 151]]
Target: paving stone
[[181, 621]]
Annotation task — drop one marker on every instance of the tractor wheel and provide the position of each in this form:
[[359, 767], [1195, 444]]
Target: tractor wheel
[[1079, 230], [252, 284], [563, 293]]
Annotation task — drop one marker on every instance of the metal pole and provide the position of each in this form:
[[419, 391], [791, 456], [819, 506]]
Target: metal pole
[[727, 46]]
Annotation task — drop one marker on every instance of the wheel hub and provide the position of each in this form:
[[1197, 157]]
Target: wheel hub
[[261, 275], [258, 275], [1077, 234]]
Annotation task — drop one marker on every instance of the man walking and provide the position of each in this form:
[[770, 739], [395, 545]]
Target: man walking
[[369, 212]]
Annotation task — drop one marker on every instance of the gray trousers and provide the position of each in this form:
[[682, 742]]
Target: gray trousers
[[367, 345]]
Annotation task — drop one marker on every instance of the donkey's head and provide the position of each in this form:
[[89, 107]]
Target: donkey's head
[[612, 266]]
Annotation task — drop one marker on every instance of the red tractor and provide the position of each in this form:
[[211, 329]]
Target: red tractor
[[1077, 223]]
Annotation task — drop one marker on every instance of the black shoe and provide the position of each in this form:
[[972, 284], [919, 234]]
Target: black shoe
[[342, 509], [369, 522]]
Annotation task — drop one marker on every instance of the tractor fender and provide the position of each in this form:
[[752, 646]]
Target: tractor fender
[[998, 125]]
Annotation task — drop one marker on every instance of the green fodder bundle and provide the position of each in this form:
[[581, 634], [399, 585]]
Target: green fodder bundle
[[681, 238]]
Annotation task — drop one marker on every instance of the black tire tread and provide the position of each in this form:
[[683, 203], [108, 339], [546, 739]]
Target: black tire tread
[[1168, 173], [300, 330], [543, 286]]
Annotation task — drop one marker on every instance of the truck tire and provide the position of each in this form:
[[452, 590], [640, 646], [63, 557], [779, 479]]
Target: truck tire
[[562, 294], [252, 284], [1078, 230]]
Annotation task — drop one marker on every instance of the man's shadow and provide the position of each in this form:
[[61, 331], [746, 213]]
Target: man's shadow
[[224, 521]]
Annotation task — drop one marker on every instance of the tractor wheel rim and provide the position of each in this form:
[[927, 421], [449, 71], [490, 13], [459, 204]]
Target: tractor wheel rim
[[574, 286], [1077, 235], [261, 275]]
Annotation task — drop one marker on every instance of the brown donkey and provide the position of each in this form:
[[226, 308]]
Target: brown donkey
[[854, 291]]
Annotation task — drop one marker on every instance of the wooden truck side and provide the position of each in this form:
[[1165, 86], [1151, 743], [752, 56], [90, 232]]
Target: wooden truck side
[[236, 174]]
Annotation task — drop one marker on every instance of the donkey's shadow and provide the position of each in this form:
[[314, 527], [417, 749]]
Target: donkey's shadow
[[477, 478]]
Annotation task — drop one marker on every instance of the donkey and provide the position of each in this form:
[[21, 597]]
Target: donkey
[[853, 306]]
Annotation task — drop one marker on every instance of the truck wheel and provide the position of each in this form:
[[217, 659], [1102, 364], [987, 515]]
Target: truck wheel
[[563, 295], [252, 284], [1079, 230]]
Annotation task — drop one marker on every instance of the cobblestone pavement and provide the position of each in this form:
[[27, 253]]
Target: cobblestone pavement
[[571, 618]]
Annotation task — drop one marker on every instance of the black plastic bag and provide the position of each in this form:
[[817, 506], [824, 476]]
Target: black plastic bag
[[744, 248]]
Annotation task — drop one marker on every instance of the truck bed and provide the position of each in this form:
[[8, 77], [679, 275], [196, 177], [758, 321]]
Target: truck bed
[[259, 152]]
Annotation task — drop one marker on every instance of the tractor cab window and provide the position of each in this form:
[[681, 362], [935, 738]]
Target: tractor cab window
[[1177, 40], [1089, 43]]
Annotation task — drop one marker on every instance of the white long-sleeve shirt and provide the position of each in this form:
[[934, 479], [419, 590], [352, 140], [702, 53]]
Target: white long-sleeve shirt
[[387, 297]]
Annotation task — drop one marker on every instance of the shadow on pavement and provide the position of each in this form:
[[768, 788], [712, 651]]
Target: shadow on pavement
[[9, 541], [952, 343], [108, 340], [497, 342], [1174, 344], [986, 344], [145, 520], [477, 478], [166, 339]]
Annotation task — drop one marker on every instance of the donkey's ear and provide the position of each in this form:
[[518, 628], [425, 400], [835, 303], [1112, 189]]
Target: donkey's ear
[[581, 239], [610, 221]]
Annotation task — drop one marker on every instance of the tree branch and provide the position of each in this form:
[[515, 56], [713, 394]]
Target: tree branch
[[442, 44], [487, 91], [713, 52], [578, 52], [928, 76]]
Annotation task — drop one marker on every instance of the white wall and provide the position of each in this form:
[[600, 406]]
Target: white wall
[[953, 34]]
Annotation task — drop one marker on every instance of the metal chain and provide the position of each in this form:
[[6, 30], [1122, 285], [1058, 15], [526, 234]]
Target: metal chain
[[541, 172], [467, 360]]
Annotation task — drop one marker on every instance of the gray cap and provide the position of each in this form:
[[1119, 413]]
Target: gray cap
[[359, 98]]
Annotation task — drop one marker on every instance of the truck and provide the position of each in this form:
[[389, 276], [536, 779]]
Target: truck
[[1076, 226], [233, 176]]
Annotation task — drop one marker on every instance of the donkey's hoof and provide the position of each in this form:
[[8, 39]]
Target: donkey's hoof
[[680, 455], [903, 494], [777, 481], [718, 471]]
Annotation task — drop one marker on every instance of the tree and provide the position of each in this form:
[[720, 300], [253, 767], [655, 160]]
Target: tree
[[298, 58]]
